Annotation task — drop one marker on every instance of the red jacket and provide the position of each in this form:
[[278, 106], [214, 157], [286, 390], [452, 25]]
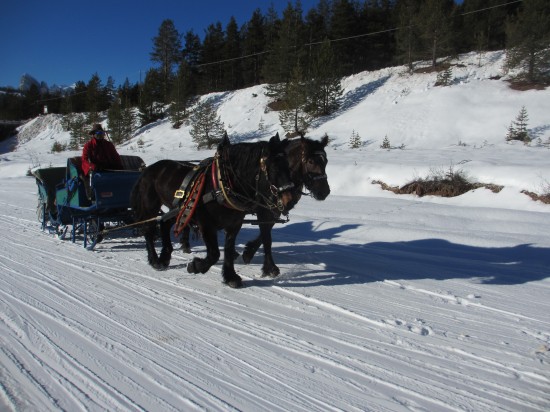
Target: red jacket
[[99, 154]]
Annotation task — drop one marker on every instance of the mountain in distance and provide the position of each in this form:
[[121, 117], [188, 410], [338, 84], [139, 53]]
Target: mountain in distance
[[27, 81]]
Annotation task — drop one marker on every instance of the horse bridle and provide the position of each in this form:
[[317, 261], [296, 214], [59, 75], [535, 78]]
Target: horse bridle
[[273, 188]]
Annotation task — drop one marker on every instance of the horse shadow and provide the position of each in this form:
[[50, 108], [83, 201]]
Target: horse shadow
[[323, 263]]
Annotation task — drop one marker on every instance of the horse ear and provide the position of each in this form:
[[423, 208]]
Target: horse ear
[[224, 142], [275, 143], [324, 140], [225, 139]]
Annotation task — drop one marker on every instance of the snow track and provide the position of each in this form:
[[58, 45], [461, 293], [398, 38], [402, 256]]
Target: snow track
[[352, 323]]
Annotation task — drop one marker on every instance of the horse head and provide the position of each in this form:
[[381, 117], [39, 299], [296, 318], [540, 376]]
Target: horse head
[[312, 164]]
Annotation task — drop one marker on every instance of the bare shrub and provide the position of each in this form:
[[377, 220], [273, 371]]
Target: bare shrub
[[443, 183]]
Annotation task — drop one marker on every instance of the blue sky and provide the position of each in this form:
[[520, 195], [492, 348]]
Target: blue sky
[[63, 41]]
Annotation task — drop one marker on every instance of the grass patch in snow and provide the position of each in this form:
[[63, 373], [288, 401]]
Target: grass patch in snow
[[443, 183]]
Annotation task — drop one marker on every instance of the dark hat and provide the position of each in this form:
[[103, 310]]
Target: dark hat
[[97, 128]]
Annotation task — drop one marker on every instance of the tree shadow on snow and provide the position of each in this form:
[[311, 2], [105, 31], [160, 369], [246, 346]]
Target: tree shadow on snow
[[436, 259], [352, 99]]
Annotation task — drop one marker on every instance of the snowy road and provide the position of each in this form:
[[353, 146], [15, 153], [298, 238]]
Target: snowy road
[[383, 304]]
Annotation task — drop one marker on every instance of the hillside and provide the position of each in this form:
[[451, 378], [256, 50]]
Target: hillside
[[463, 125]]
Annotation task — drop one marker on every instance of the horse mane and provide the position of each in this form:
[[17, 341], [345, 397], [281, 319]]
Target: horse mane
[[244, 159]]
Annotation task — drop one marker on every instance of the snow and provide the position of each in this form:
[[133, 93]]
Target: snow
[[385, 302]]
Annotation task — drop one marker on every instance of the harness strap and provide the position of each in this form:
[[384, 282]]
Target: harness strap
[[226, 191], [188, 207]]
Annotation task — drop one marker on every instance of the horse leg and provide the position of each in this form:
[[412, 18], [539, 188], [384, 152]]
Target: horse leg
[[251, 248], [149, 234], [210, 238], [230, 277], [166, 251], [184, 240], [269, 268]]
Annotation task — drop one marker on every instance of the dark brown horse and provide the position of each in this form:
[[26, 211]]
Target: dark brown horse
[[307, 159], [252, 176]]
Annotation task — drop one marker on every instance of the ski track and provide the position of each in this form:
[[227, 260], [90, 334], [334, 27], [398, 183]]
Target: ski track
[[102, 330]]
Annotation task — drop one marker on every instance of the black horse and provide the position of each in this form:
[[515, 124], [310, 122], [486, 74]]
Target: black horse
[[307, 159], [241, 178]]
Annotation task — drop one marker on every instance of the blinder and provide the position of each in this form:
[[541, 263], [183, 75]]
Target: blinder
[[276, 191], [310, 178]]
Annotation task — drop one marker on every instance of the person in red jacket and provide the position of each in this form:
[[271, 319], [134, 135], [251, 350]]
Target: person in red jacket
[[99, 153]]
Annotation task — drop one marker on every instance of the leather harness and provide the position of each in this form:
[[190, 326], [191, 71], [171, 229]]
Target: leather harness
[[187, 197]]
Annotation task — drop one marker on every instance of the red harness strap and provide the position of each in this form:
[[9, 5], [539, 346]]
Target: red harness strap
[[188, 208]]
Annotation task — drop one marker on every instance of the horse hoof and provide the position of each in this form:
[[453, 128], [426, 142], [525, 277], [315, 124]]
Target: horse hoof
[[272, 273], [186, 249], [234, 283], [159, 266], [191, 267]]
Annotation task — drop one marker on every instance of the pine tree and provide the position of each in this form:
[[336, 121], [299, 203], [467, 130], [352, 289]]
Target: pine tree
[[386, 143], [434, 24], [108, 94], [253, 43], [407, 36], [521, 126], [114, 121], [376, 51], [317, 22], [294, 117], [212, 55], [166, 52], [518, 128], [528, 40], [129, 94], [233, 78], [94, 89], [484, 31], [78, 97], [120, 122], [286, 48], [511, 133], [183, 90], [344, 24], [66, 110], [207, 129], [77, 124], [324, 89], [150, 108], [445, 77], [355, 140]]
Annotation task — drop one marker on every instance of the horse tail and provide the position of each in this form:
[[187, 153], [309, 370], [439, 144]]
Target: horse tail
[[135, 200]]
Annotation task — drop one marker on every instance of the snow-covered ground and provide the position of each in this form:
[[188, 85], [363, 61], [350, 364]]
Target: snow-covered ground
[[385, 302]]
